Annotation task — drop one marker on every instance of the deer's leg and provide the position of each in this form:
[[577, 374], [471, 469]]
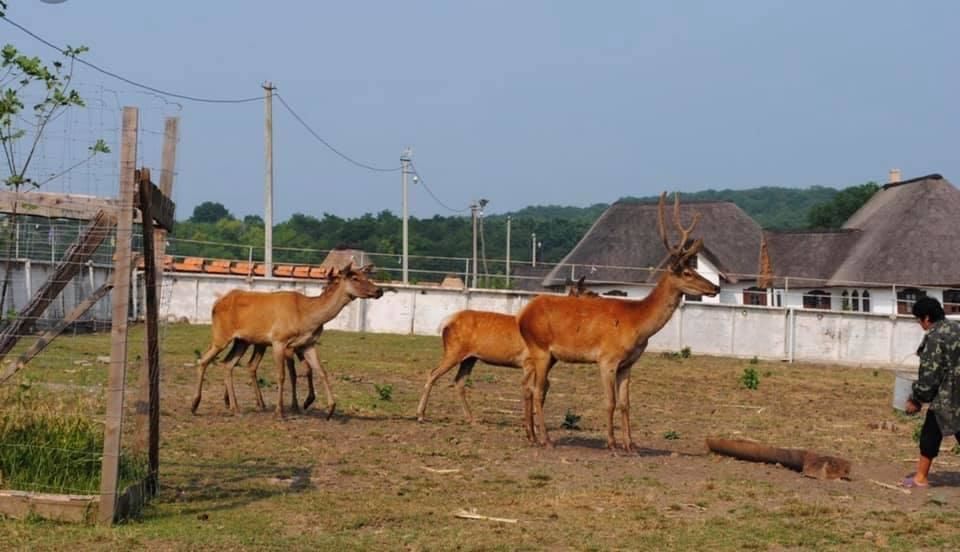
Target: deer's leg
[[608, 378], [253, 365], [460, 381], [280, 360], [310, 355], [228, 364], [311, 392], [527, 386], [623, 404], [446, 363], [237, 350], [292, 372], [202, 364], [539, 397]]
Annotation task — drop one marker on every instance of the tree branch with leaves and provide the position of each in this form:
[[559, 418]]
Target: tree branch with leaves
[[20, 77]]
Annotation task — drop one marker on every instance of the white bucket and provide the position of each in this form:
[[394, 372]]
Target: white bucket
[[903, 388]]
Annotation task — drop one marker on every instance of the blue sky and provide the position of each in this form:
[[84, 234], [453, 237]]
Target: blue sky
[[525, 103]]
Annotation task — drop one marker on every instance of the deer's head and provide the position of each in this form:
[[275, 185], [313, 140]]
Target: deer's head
[[680, 271], [578, 289], [356, 281]]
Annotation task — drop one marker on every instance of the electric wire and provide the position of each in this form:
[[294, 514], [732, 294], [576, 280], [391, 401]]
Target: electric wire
[[435, 198], [129, 81], [327, 144]]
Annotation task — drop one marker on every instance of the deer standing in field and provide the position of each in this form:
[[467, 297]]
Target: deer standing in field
[[612, 333], [288, 321], [472, 335]]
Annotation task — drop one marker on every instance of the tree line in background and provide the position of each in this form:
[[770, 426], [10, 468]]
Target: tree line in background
[[213, 232]]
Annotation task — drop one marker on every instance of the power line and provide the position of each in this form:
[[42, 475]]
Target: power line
[[327, 144], [435, 198], [129, 81]]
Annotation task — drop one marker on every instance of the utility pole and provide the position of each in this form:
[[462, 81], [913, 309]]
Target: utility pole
[[473, 216], [476, 211], [404, 170], [268, 200], [508, 253], [533, 239]]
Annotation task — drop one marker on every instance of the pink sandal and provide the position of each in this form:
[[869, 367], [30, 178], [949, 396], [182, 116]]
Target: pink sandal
[[910, 483]]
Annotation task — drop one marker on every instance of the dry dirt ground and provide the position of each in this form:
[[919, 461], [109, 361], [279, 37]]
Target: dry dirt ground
[[372, 477]]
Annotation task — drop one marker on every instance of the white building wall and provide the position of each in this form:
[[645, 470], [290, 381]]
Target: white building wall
[[713, 329]]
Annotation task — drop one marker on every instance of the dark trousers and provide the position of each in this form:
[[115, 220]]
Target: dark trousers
[[930, 436]]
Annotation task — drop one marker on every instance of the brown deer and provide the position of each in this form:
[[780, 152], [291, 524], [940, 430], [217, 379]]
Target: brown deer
[[472, 335], [288, 321], [612, 333]]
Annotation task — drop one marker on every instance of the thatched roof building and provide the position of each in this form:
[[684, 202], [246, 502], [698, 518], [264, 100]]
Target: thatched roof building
[[624, 244], [907, 233]]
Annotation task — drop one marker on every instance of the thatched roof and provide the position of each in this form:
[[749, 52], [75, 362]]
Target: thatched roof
[[624, 244], [905, 234], [525, 277], [909, 235], [808, 258], [339, 258]]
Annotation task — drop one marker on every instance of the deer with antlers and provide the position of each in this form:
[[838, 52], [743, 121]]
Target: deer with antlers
[[288, 321], [472, 335], [612, 333]]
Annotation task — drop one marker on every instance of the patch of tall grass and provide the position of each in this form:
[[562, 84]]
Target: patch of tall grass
[[46, 446]]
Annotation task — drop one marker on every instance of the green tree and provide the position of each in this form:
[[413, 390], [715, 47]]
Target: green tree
[[833, 213], [210, 211], [50, 92]]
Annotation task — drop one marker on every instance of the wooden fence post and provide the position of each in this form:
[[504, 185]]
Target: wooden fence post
[[120, 298]]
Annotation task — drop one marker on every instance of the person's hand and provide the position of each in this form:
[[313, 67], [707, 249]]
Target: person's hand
[[912, 407]]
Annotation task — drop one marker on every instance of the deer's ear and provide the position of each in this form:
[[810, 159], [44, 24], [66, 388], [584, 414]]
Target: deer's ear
[[333, 273], [367, 269]]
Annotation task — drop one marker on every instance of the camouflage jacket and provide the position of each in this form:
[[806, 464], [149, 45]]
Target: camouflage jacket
[[939, 379]]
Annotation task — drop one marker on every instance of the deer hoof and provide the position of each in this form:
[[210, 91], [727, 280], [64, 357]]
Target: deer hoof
[[308, 401], [333, 406], [195, 405]]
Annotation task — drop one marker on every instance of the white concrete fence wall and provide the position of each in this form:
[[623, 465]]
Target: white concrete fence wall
[[742, 331]]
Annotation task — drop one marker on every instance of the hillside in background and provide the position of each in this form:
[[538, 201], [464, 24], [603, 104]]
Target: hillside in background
[[557, 228]]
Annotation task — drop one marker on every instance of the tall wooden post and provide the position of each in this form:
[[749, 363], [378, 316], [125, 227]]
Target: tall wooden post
[[151, 362], [119, 298], [147, 405]]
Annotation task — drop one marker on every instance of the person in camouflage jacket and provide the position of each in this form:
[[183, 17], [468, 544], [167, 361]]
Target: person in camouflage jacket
[[938, 384]]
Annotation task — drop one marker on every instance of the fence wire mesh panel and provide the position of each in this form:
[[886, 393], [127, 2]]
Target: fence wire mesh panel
[[59, 247]]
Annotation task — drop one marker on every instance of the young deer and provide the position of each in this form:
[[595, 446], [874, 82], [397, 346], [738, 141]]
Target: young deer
[[472, 335], [288, 321], [612, 333]]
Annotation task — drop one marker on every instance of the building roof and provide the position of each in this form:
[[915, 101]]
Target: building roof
[[525, 277], [905, 234], [624, 244], [909, 235], [809, 259]]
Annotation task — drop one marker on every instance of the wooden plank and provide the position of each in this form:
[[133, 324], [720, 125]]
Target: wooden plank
[[57, 507], [118, 335], [55, 205], [161, 206], [71, 264], [49, 336], [148, 406]]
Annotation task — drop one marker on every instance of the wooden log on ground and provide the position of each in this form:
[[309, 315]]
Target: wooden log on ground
[[809, 463]]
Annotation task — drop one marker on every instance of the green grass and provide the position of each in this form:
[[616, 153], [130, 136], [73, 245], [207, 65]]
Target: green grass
[[47, 450]]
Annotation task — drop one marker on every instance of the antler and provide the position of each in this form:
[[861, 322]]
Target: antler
[[679, 253]]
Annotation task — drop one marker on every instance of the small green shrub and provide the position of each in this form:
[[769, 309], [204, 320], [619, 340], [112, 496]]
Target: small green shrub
[[754, 360], [750, 378], [671, 435], [570, 420], [385, 391], [685, 352]]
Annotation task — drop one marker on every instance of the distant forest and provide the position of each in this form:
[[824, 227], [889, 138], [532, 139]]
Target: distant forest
[[558, 228]]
